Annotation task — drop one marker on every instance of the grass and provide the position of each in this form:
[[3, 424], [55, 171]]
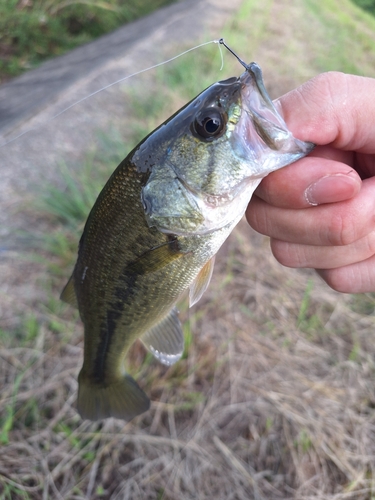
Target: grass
[[32, 31], [347, 33], [273, 397], [368, 5]]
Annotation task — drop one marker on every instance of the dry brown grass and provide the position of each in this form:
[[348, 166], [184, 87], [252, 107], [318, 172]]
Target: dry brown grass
[[261, 407]]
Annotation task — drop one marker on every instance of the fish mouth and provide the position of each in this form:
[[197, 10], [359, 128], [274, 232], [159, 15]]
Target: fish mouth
[[256, 142], [262, 136]]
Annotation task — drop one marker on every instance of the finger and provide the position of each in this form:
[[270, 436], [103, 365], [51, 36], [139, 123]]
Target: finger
[[355, 278], [326, 257], [333, 108], [310, 181], [335, 224]]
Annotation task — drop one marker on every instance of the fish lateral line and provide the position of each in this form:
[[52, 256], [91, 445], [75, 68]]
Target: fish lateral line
[[32, 129]]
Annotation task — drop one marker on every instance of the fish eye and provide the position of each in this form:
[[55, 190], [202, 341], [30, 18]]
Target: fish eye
[[209, 123]]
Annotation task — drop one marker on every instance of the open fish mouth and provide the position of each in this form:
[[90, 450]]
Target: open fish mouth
[[210, 188], [262, 140], [262, 136]]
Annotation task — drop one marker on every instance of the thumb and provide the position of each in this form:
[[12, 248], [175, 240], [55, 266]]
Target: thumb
[[333, 108]]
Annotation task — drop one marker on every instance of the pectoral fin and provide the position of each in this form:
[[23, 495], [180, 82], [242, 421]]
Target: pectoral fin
[[156, 258], [166, 340], [201, 282], [68, 294]]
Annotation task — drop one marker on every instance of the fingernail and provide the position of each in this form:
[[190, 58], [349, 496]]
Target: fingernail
[[332, 188]]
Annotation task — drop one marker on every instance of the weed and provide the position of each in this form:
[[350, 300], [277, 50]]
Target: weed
[[31, 328], [190, 401], [269, 423], [304, 441], [302, 315], [354, 354], [363, 303], [72, 203], [100, 491], [8, 419], [188, 336], [11, 492]]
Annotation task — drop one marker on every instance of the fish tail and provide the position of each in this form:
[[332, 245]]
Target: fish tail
[[120, 398]]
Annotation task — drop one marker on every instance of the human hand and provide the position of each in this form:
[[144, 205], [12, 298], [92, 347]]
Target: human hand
[[320, 211]]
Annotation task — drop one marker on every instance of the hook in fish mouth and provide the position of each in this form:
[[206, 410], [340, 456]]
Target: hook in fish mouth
[[266, 120]]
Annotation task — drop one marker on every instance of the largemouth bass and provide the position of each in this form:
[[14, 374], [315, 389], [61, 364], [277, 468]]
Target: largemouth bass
[[157, 225]]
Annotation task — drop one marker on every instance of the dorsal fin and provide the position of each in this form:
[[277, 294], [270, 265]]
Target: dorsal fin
[[166, 340], [201, 282]]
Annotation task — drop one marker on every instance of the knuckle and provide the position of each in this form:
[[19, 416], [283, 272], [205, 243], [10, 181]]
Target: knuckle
[[324, 85], [288, 254], [337, 280], [342, 279], [327, 84], [256, 216], [278, 251], [342, 230]]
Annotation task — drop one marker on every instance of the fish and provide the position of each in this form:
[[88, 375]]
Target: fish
[[158, 223]]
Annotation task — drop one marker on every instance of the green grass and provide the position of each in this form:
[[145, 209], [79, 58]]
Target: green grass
[[6, 425], [72, 200], [11, 492], [348, 37], [304, 441], [33, 31], [367, 5]]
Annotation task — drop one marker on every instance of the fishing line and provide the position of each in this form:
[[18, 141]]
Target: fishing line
[[218, 42]]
